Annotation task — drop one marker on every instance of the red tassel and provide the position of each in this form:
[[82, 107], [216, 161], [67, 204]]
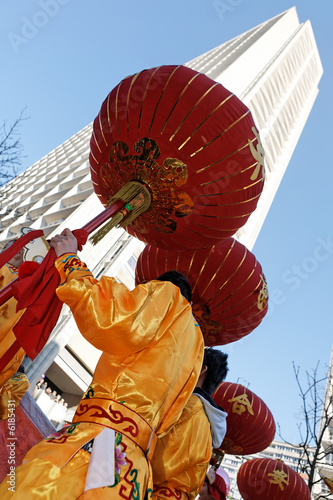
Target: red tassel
[[27, 268], [81, 235]]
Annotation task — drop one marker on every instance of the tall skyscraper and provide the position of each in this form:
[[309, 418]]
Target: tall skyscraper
[[274, 68]]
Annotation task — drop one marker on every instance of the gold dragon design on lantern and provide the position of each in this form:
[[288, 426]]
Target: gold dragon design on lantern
[[168, 202]]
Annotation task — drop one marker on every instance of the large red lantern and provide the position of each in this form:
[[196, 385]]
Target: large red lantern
[[250, 424], [229, 290], [192, 143], [269, 479]]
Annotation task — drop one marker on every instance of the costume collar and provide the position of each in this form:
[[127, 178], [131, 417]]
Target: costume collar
[[11, 268], [216, 416]]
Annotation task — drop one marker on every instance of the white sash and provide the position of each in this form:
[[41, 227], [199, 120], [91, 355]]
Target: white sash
[[102, 461]]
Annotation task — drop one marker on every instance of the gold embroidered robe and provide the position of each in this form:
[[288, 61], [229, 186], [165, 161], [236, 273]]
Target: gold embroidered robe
[[152, 357], [182, 456]]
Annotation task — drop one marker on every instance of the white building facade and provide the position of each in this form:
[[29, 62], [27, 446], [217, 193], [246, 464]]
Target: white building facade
[[274, 69]]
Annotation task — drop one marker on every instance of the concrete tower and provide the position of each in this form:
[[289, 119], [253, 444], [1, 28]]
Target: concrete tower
[[274, 69]]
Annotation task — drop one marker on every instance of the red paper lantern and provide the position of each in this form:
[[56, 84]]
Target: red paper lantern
[[194, 145], [229, 290], [226, 479], [269, 479], [250, 424]]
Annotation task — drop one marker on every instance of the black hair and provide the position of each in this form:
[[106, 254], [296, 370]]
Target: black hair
[[179, 280], [217, 369]]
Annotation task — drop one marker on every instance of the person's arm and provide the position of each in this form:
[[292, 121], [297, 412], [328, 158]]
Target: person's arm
[[64, 243], [108, 315], [190, 441]]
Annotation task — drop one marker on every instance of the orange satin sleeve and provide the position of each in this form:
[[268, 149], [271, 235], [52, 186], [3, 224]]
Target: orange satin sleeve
[[182, 456], [12, 391], [107, 313], [8, 319]]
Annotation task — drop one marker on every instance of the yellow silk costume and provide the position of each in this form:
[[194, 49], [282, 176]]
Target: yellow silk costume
[[8, 319], [151, 360], [182, 456], [13, 391]]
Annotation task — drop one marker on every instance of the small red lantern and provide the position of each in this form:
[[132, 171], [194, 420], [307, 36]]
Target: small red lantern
[[229, 290], [250, 424], [192, 143], [269, 479]]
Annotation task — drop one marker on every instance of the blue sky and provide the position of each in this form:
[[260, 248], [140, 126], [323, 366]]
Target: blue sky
[[60, 59]]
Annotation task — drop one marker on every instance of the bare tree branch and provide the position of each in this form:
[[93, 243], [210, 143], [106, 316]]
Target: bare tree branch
[[317, 418], [11, 149]]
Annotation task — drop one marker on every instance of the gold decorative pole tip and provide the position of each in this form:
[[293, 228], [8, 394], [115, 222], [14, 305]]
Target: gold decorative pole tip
[[137, 200]]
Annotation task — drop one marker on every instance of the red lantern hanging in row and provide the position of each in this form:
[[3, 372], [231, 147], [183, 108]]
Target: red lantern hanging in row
[[250, 424], [229, 290], [192, 143], [269, 479]]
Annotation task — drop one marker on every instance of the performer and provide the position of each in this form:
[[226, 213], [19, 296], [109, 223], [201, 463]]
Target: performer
[[213, 491], [182, 455], [13, 391], [151, 360], [9, 317]]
